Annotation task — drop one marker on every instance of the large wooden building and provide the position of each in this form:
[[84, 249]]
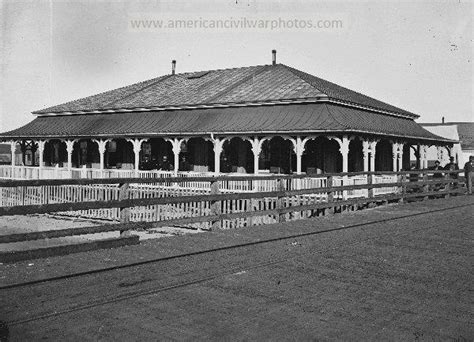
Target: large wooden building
[[257, 119]]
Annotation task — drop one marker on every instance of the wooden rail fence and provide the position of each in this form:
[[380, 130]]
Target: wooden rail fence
[[163, 202], [141, 203]]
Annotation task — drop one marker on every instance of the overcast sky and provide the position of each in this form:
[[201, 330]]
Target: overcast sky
[[414, 55]]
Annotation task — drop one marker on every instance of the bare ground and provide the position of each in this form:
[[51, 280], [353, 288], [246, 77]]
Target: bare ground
[[405, 279]]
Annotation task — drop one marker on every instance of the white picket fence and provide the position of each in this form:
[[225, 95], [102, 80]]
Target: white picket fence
[[103, 192]]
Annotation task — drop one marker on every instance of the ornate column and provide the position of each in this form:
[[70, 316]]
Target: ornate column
[[218, 147], [400, 156], [344, 149], [176, 146], [12, 151], [102, 144], [256, 149], [299, 147], [69, 148], [441, 154], [423, 156], [373, 146], [137, 146], [41, 144], [397, 152], [366, 151]]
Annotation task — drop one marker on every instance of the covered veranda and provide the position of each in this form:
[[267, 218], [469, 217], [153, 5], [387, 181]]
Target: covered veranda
[[284, 139]]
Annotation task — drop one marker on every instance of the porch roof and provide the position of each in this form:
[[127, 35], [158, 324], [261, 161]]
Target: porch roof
[[283, 119]]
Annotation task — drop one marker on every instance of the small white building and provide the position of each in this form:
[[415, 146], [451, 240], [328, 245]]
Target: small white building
[[460, 131]]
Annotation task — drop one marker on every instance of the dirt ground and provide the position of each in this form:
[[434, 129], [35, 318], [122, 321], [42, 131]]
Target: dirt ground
[[33, 223], [362, 276]]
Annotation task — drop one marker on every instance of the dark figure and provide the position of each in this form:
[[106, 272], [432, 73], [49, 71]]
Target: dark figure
[[413, 176], [184, 165], [225, 165], [437, 167], [154, 163], [146, 164], [469, 174], [165, 165], [452, 166]]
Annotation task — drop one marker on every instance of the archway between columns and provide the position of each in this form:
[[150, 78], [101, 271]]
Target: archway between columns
[[322, 156], [277, 156], [383, 156], [55, 153], [119, 154], [237, 156], [199, 154], [356, 156]]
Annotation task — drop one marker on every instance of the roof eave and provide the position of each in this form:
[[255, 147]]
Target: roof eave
[[316, 99], [234, 133]]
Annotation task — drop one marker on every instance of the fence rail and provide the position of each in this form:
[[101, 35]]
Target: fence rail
[[253, 200]]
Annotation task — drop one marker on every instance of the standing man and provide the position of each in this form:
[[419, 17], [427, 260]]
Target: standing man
[[452, 166], [469, 174]]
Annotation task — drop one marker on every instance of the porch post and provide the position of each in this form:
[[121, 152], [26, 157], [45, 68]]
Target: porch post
[[137, 146], [373, 145], [426, 156], [400, 156], [41, 156], [299, 150], [176, 147], [423, 156], [256, 149], [344, 149], [12, 150], [366, 150], [394, 156], [69, 148], [41, 152], [102, 144], [441, 154], [218, 143]]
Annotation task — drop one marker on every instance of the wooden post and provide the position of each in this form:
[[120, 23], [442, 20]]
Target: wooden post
[[330, 184], [447, 187], [425, 187], [403, 179], [370, 191], [124, 194], [215, 205], [279, 203]]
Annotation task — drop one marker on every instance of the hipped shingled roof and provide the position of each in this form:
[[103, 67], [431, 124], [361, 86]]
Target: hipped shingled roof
[[250, 100], [227, 86]]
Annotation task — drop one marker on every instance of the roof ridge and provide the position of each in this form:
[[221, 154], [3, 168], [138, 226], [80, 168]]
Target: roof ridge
[[223, 69]]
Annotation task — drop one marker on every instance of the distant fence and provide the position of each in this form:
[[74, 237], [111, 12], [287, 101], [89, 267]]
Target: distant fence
[[210, 204]]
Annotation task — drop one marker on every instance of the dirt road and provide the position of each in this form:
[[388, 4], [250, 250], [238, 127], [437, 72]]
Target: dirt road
[[391, 273]]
